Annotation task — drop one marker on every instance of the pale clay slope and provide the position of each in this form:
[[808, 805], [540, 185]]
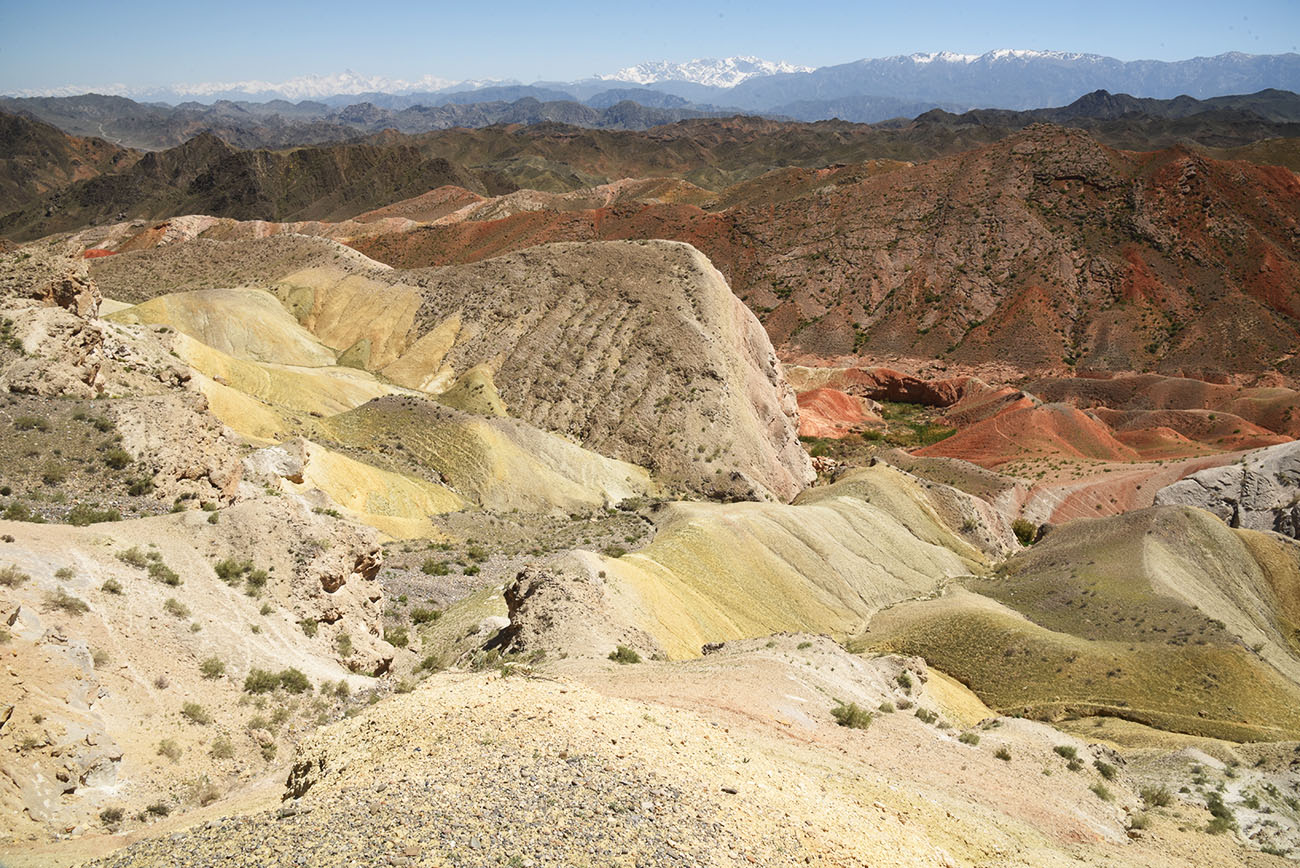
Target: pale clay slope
[[717, 572], [638, 350]]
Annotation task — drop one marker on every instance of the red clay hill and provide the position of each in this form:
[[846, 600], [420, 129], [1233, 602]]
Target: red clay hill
[[1046, 250]]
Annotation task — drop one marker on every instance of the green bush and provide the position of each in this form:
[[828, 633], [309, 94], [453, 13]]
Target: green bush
[[1100, 790], [83, 514], [1105, 769], [1157, 797], [396, 636], [969, 738], [133, 557], [31, 423], [117, 458], [433, 567], [231, 571], [294, 681], [111, 816], [1003, 753], [261, 681], [170, 749], [309, 627], [344, 645], [904, 680], [176, 608], [624, 655], [195, 713], [424, 616], [158, 809], [160, 572], [1066, 750], [221, 748], [925, 715], [1025, 530], [852, 716], [212, 668]]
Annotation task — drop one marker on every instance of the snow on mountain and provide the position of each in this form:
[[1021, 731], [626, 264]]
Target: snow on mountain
[[953, 57], [727, 72]]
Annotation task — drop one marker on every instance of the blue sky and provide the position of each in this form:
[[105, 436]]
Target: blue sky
[[144, 43]]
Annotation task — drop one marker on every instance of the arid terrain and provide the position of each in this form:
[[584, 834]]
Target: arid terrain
[[731, 492]]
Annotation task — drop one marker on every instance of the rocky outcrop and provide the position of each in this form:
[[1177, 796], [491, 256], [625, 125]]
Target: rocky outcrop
[[1260, 492], [554, 609]]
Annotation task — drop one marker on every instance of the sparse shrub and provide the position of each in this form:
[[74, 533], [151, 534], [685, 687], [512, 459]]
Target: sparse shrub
[[160, 572], [99, 657], [255, 582], [432, 567], [1105, 769], [261, 681], [344, 645], [969, 738], [62, 601], [925, 715], [31, 423], [1139, 821], [886, 707], [12, 577], [212, 668], [430, 663], [110, 817], [852, 715], [905, 704], [396, 636], [65, 574], [214, 518], [230, 570], [1067, 751], [170, 749], [82, 514], [614, 551], [158, 809], [309, 627], [1157, 797], [133, 557], [294, 681], [904, 680], [269, 751], [176, 608], [476, 553], [1025, 530], [802, 645], [221, 748], [624, 655], [139, 487], [1003, 753], [341, 690], [1100, 790], [471, 570], [424, 616], [117, 458], [195, 713]]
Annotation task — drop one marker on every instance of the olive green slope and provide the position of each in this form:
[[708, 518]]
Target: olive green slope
[[1164, 616]]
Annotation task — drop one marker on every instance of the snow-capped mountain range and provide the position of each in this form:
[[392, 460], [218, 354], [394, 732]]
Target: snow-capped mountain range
[[727, 72], [863, 90]]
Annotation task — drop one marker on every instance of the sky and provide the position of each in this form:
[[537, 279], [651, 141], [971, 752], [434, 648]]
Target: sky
[[148, 43]]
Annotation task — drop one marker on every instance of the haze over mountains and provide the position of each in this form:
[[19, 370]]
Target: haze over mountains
[[865, 90]]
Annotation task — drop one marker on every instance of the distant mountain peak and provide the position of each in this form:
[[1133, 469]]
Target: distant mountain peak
[[924, 57], [713, 72]]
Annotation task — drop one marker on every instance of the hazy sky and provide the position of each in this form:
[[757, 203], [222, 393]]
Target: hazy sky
[[142, 43]]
